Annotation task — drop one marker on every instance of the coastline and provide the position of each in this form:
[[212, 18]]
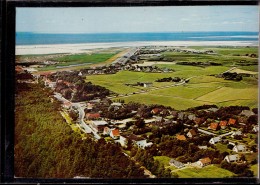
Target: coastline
[[85, 48]]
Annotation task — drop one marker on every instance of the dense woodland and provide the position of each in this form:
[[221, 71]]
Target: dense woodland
[[45, 146]]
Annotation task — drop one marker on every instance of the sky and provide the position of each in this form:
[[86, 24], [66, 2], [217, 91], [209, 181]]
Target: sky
[[137, 19]]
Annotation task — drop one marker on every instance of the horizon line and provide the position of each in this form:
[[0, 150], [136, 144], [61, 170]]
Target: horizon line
[[129, 32]]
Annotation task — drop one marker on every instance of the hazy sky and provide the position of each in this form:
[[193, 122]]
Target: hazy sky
[[137, 19]]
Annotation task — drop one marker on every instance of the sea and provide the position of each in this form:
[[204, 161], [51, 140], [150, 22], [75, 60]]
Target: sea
[[29, 38]]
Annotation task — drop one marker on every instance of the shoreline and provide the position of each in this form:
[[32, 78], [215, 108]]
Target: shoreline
[[86, 47]]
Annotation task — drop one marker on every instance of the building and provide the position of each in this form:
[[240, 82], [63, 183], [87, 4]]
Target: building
[[114, 133], [214, 140], [239, 148], [66, 105], [138, 141], [93, 116], [106, 131], [255, 128], [213, 126], [98, 126], [236, 133], [181, 137], [192, 133], [247, 113], [147, 84], [232, 158], [156, 111], [175, 163], [223, 124], [231, 121], [204, 162]]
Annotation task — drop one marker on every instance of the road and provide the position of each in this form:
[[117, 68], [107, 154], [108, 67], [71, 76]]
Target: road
[[81, 112], [205, 132]]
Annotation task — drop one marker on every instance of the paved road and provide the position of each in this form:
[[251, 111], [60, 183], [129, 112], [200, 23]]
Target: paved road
[[205, 132], [80, 109]]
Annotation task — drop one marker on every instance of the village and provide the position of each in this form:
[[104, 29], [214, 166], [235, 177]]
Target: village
[[212, 134]]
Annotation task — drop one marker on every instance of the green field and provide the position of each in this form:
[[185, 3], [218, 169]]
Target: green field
[[254, 168], [201, 89], [229, 94], [211, 171], [164, 160], [78, 59]]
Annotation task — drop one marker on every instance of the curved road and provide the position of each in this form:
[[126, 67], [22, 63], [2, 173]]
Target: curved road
[[80, 109]]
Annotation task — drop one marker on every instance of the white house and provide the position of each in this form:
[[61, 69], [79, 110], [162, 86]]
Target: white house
[[143, 143], [232, 158], [237, 133], [140, 142], [255, 128], [175, 163], [239, 148], [214, 140], [204, 162]]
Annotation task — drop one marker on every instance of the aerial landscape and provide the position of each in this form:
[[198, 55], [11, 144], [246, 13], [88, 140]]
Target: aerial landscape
[[176, 97]]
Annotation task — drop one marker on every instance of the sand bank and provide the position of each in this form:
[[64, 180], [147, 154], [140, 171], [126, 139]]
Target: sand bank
[[85, 48]]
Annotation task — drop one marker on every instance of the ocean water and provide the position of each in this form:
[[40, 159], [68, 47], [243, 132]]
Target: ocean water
[[27, 38]]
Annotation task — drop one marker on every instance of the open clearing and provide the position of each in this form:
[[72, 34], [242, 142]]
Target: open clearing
[[211, 171]]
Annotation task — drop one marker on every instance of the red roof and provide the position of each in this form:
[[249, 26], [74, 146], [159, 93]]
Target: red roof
[[231, 121], [213, 126], [205, 160], [223, 123], [115, 132], [18, 69], [93, 115], [181, 137], [156, 110]]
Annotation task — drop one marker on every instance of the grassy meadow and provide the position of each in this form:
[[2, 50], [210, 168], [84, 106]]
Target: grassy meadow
[[202, 88]]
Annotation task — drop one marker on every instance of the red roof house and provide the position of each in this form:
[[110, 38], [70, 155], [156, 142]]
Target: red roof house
[[114, 133], [231, 121], [213, 126], [92, 116], [223, 124]]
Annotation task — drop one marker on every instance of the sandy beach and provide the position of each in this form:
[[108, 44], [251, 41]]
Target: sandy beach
[[84, 48]]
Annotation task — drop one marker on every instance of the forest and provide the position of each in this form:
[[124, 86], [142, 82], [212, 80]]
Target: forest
[[46, 147]]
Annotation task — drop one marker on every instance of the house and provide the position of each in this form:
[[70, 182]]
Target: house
[[191, 133], [255, 128], [204, 162], [214, 140], [231, 121], [89, 106], [203, 147], [239, 148], [156, 111], [199, 121], [191, 117], [66, 105], [236, 133], [115, 106], [106, 131], [93, 116], [247, 113], [223, 124], [114, 133], [213, 126], [232, 158], [98, 126], [175, 163], [147, 84], [139, 141], [181, 137]]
